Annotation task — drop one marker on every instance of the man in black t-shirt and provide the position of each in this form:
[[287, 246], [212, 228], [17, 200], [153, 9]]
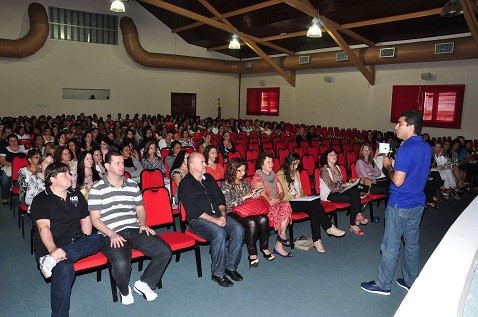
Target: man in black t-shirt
[[62, 234]]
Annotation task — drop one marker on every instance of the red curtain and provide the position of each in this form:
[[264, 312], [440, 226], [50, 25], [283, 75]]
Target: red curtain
[[263, 101]]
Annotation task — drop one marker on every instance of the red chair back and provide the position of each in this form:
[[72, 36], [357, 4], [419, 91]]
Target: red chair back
[[282, 153], [251, 168], [252, 155], [157, 206], [151, 178], [308, 163], [127, 174], [317, 180], [304, 181], [17, 164], [164, 152], [353, 170], [343, 171], [231, 155], [277, 166]]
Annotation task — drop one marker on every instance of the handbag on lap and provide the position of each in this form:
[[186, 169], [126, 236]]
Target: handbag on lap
[[252, 207]]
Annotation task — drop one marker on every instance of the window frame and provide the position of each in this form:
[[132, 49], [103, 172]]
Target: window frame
[[254, 101], [405, 97]]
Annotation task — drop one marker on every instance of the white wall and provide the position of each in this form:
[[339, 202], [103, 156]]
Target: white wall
[[350, 101], [347, 102], [26, 83]]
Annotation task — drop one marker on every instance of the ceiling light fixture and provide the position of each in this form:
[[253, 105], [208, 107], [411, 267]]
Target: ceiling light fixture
[[234, 44], [451, 9], [315, 31], [117, 6]]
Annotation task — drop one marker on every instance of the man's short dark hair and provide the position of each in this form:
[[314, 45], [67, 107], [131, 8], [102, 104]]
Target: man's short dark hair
[[414, 117], [110, 154], [53, 170]]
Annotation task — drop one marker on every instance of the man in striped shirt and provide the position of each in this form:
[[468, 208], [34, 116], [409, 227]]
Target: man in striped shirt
[[116, 210]]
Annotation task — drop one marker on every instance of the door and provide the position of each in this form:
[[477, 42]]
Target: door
[[183, 104]]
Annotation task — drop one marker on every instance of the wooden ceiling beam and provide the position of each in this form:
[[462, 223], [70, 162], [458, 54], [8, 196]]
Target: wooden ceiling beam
[[470, 18], [226, 15], [330, 26], [186, 13], [369, 75], [305, 7], [249, 43]]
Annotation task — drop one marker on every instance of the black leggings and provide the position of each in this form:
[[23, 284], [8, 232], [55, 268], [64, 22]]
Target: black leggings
[[317, 215], [257, 228], [351, 196]]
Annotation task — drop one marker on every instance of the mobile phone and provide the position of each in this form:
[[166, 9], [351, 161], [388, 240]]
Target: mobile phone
[[259, 190]]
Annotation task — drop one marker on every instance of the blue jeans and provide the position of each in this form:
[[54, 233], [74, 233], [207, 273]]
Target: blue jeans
[[120, 258], [400, 222], [222, 258], [6, 184], [63, 274]]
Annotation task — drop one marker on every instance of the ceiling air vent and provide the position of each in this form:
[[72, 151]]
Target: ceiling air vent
[[444, 48], [341, 57], [304, 60], [387, 52], [248, 65]]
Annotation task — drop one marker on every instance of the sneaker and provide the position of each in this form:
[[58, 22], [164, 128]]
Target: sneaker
[[143, 288], [372, 287], [47, 263], [401, 283], [334, 231], [127, 299], [318, 245]]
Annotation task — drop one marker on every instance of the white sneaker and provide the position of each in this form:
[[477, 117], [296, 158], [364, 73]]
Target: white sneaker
[[47, 263], [334, 231], [127, 299], [143, 289], [318, 245]]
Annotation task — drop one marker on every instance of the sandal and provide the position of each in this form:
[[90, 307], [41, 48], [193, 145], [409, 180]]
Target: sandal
[[361, 221], [432, 205], [253, 262], [358, 232]]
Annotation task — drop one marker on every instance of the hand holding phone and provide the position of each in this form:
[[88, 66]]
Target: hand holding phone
[[258, 190]]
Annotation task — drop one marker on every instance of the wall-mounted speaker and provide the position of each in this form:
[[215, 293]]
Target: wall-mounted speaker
[[426, 76], [328, 79], [262, 82]]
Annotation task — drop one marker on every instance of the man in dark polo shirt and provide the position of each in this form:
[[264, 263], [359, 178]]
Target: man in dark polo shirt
[[62, 234]]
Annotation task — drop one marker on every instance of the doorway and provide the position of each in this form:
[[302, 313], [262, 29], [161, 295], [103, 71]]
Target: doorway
[[183, 104]]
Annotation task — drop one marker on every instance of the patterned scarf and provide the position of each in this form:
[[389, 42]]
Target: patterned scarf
[[269, 182]]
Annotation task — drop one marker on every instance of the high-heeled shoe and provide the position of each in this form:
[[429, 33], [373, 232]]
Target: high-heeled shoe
[[288, 255], [361, 221], [285, 242], [358, 232], [253, 262], [268, 257]]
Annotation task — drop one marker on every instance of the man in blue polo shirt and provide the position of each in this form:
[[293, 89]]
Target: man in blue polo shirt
[[405, 206]]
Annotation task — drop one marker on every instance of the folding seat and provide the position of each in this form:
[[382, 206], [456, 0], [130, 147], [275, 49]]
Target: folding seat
[[308, 163], [299, 151], [282, 153], [330, 204], [17, 164], [251, 168], [151, 178], [252, 155]]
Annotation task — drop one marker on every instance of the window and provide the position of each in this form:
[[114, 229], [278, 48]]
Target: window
[[442, 105], [79, 26], [263, 101]]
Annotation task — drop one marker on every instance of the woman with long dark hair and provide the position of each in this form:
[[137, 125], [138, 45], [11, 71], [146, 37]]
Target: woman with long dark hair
[[290, 180], [87, 173], [237, 190]]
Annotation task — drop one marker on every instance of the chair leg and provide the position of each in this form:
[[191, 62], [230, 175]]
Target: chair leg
[[370, 206], [336, 220], [140, 266], [31, 240], [23, 224], [114, 291], [98, 275], [178, 255], [291, 235], [160, 284], [197, 252]]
